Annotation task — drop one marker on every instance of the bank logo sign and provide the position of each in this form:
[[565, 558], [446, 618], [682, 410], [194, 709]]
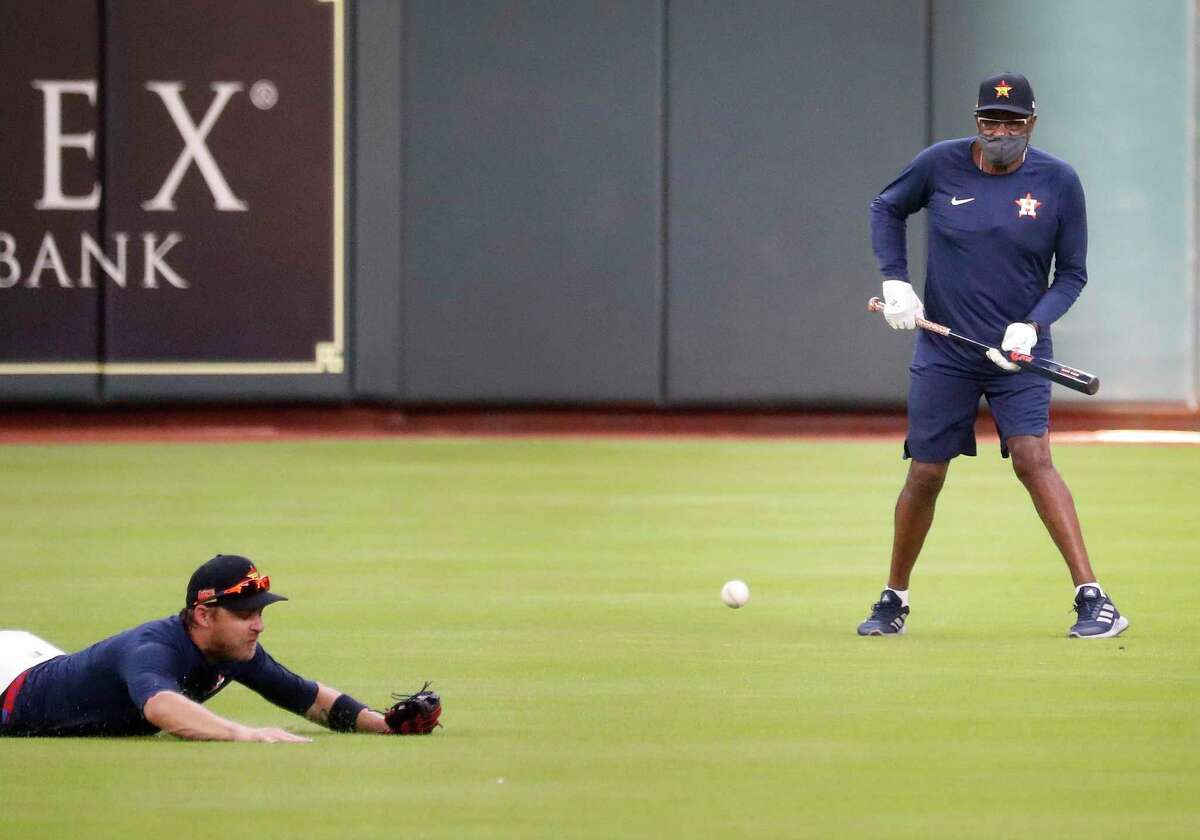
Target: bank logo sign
[[175, 202]]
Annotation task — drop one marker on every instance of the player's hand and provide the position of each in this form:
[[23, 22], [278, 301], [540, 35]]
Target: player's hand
[[998, 359], [901, 306], [414, 714], [270, 735], [1020, 337]]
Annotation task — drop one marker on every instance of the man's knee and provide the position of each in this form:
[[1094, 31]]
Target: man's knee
[[1030, 457], [926, 479]]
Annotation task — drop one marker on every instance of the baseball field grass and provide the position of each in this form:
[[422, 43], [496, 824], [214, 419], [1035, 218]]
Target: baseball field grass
[[562, 594]]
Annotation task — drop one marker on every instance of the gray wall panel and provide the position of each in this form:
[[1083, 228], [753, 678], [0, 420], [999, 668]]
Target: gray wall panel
[[532, 184], [786, 119], [377, 200]]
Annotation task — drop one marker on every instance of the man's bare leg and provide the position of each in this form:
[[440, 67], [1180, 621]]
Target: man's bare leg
[[914, 515], [1053, 501]]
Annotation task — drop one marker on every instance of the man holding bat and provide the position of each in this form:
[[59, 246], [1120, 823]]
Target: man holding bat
[[1001, 212]]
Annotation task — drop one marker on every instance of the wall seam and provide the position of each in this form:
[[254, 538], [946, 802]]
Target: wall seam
[[1193, 284], [402, 346], [927, 10], [664, 240], [350, 262]]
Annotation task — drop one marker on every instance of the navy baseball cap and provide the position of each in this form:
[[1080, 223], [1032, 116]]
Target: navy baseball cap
[[1006, 92], [230, 581]]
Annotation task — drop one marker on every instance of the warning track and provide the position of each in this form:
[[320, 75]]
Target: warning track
[[1164, 425]]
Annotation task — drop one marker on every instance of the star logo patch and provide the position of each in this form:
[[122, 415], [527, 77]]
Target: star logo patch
[[1028, 205], [1002, 89]]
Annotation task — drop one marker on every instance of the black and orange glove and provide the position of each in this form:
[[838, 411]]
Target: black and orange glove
[[415, 714]]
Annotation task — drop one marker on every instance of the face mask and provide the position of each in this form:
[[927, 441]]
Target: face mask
[[1003, 150]]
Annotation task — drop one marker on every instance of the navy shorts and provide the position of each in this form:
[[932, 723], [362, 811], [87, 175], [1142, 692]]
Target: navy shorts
[[943, 402]]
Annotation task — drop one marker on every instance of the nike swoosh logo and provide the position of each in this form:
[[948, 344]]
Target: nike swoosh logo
[[957, 201]]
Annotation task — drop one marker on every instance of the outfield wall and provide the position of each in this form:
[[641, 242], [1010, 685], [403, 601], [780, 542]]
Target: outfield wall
[[630, 202]]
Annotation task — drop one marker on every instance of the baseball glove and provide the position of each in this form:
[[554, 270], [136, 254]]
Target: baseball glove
[[414, 714]]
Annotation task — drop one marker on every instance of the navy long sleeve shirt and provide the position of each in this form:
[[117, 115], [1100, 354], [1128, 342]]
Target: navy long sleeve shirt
[[103, 689], [992, 241]]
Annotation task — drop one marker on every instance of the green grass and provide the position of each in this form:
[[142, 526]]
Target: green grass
[[563, 596]]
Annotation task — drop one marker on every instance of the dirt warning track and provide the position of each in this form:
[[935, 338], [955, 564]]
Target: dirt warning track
[[1139, 424]]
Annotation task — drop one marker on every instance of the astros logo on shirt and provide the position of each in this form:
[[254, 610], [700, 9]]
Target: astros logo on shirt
[[1028, 205]]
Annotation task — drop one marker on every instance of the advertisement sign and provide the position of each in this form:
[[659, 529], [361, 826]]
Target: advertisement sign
[[174, 196]]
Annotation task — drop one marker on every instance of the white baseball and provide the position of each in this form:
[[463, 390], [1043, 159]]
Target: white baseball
[[735, 594]]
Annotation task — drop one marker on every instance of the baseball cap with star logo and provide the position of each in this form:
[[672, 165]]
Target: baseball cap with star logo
[[1006, 92]]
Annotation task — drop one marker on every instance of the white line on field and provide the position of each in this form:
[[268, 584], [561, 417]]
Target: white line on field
[[1129, 436]]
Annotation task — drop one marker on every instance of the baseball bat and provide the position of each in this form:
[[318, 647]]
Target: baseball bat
[[1073, 378]]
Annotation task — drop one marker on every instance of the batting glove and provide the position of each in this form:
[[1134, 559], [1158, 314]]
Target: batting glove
[[1000, 361], [1020, 337], [901, 306]]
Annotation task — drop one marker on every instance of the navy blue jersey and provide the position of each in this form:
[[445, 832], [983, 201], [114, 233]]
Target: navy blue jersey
[[102, 690], [992, 241]]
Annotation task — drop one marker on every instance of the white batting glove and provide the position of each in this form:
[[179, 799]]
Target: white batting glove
[[1000, 361], [901, 306], [1020, 337]]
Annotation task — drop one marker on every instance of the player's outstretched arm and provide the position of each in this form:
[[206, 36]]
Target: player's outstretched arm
[[184, 718], [366, 720], [414, 714]]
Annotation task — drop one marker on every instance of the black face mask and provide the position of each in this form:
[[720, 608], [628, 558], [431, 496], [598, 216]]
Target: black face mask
[[1003, 149]]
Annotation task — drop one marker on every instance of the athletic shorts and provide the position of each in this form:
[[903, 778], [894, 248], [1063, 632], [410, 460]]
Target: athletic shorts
[[943, 402]]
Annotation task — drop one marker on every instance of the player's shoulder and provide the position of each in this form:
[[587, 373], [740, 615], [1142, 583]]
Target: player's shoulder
[[169, 629], [951, 151], [1052, 165], [167, 633]]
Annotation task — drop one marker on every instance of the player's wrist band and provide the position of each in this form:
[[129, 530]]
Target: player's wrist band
[[1037, 328], [343, 714]]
